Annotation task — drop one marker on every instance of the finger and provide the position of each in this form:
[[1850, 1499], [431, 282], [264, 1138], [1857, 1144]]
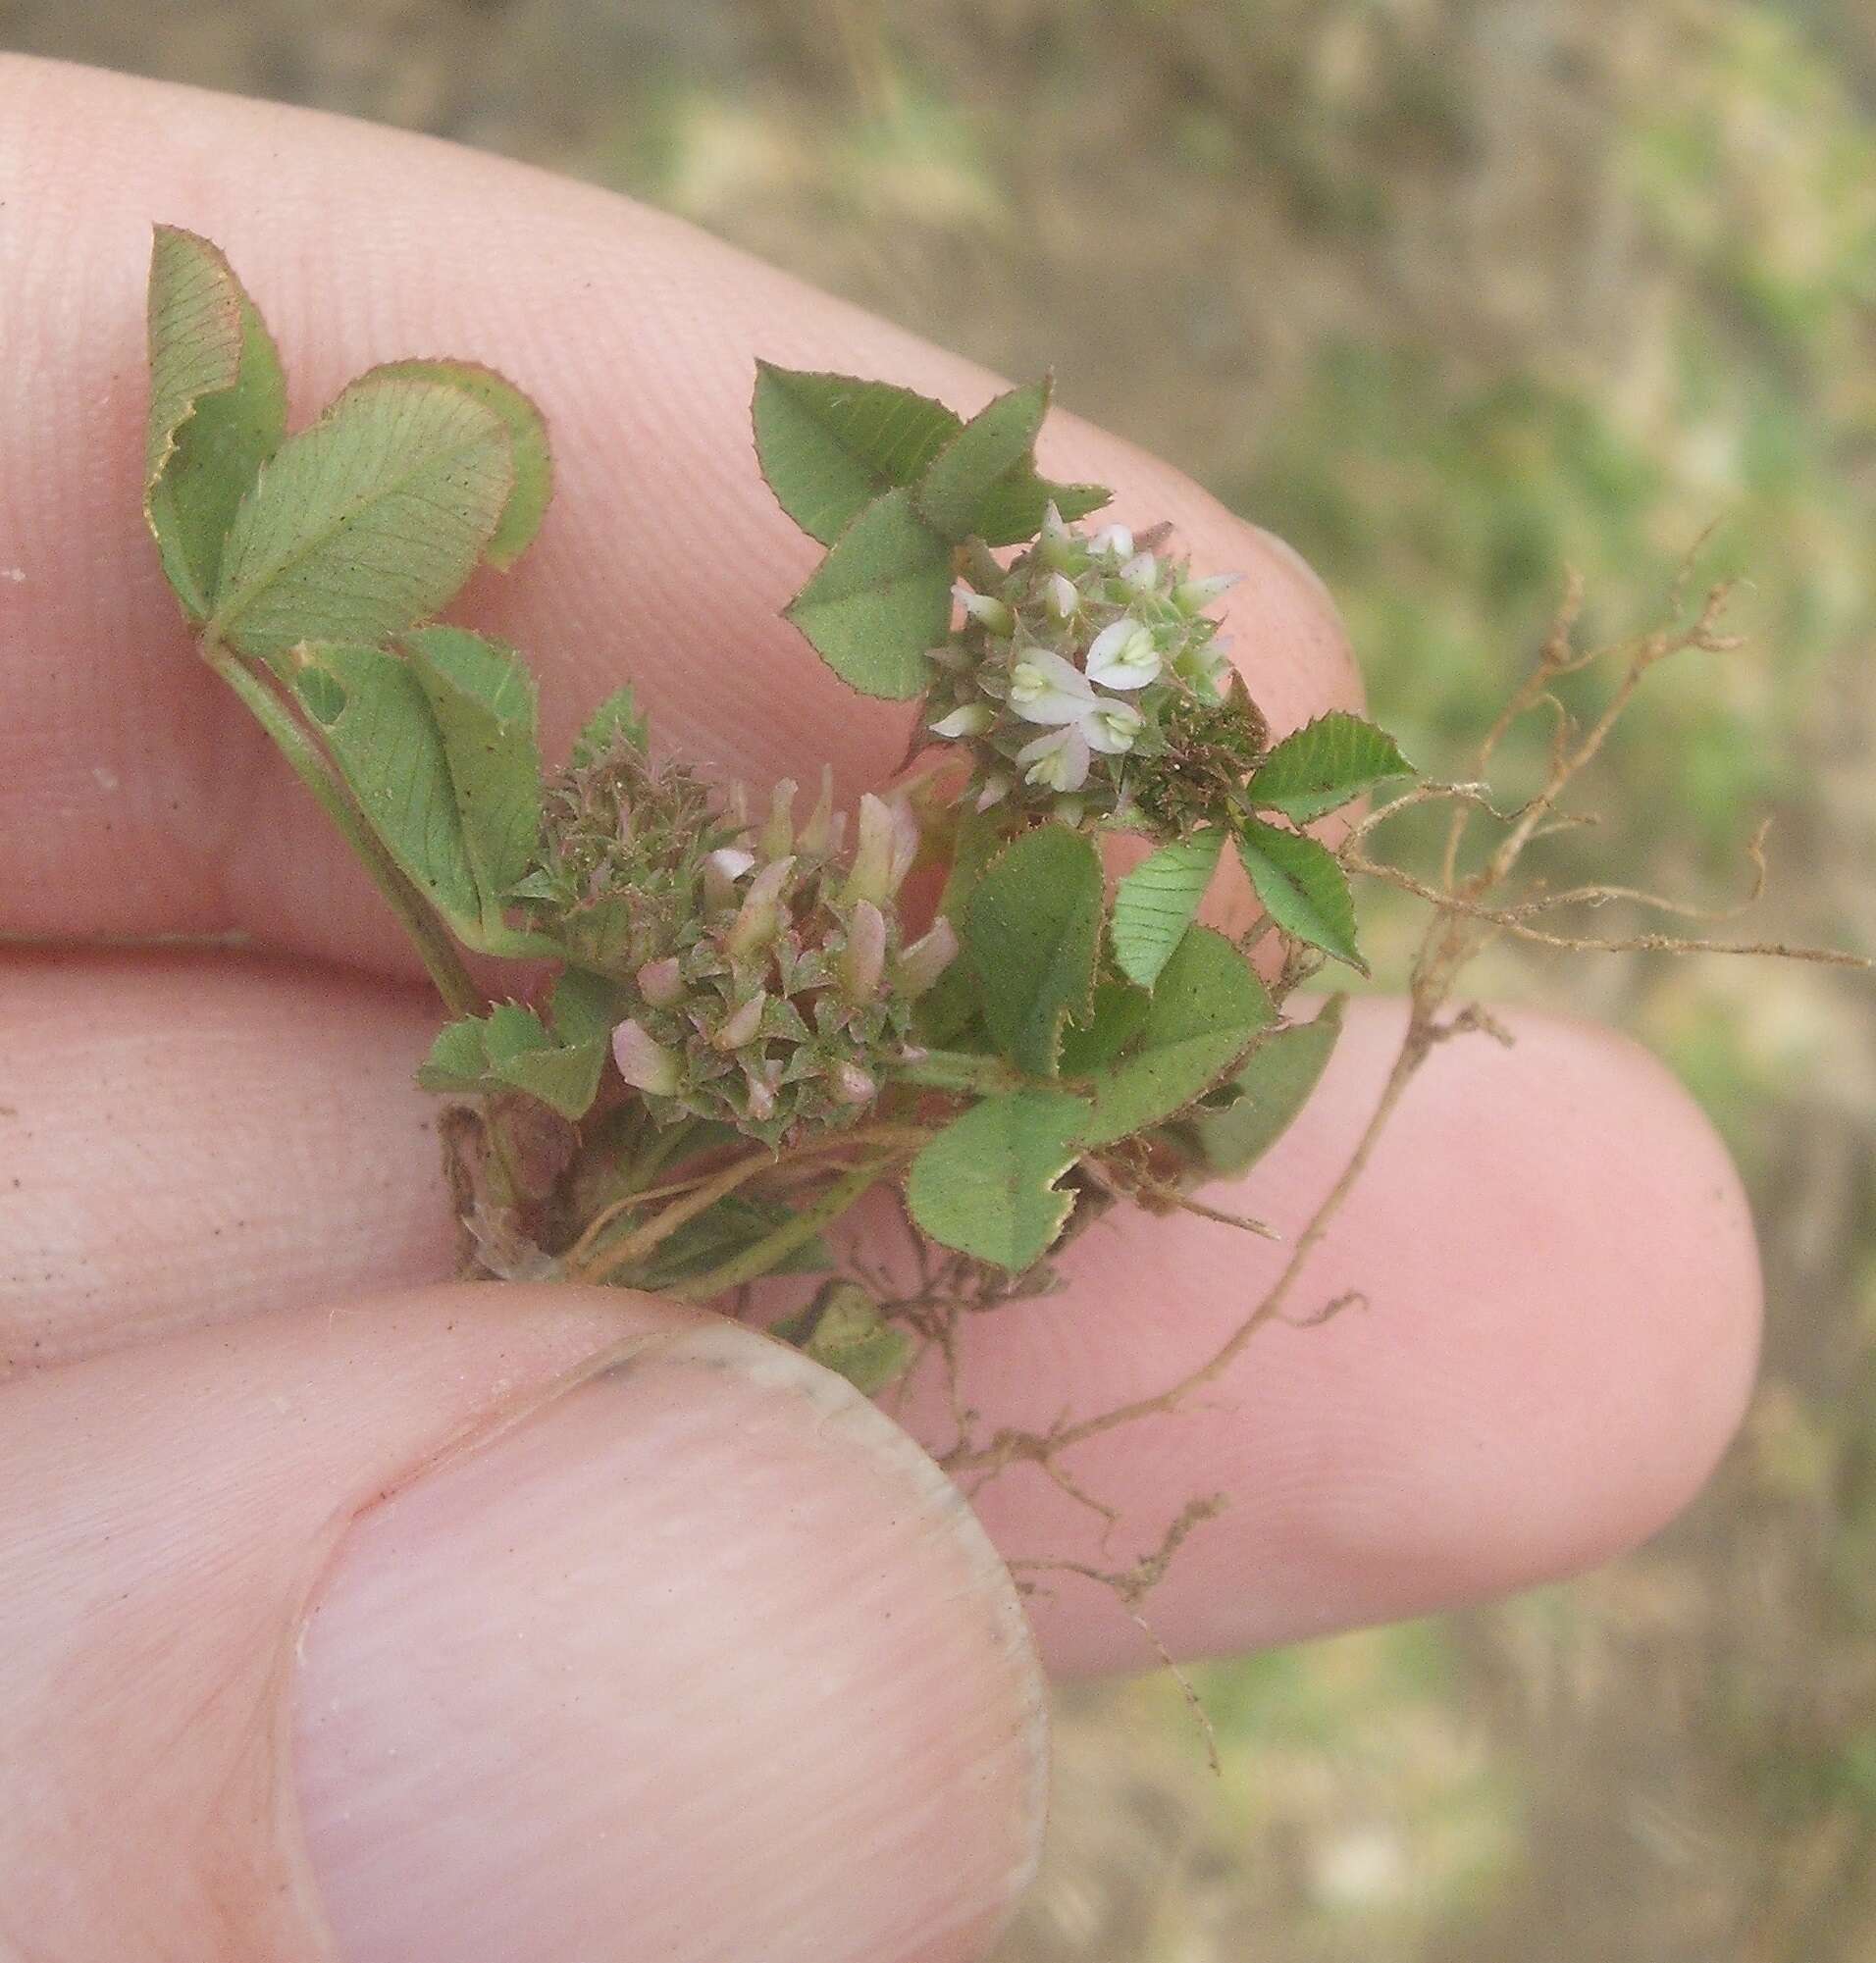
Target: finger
[[133, 796], [1562, 1289], [187, 1138], [420, 1630]]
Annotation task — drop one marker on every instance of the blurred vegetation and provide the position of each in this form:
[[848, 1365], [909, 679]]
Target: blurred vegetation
[[1454, 293]]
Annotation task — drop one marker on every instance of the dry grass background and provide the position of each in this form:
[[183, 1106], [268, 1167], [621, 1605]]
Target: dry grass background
[[1454, 292]]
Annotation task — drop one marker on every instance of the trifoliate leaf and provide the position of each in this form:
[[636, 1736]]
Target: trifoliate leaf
[[843, 1329], [1031, 931], [368, 522], [1273, 1084], [483, 700], [218, 408], [1205, 1012], [1155, 903], [511, 1049], [1323, 765], [879, 599], [527, 434], [829, 444], [1302, 887], [985, 1185]]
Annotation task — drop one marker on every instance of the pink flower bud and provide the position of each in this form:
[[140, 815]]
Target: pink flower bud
[[661, 983], [926, 958], [818, 835], [644, 1063], [778, 835], [862, 961], [887, 845], [743, 1025], [852, 1085], [760, 918]]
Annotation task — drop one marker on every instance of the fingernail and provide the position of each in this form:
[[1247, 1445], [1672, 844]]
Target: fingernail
[[705, 1658]]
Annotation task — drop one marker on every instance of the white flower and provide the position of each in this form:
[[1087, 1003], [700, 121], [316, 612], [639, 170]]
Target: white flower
[[1112, 727], [1141, 572], [1113, 539], [1122, 656], [1046, 689], [970, 720], [1058, 762]]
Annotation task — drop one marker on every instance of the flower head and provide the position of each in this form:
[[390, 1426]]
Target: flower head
[[1110, 726]]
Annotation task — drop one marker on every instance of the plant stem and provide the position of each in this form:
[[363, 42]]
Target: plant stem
[[773, 1248], [433, 946]]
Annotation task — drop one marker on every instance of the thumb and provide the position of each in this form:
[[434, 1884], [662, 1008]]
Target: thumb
[[475, 1624]]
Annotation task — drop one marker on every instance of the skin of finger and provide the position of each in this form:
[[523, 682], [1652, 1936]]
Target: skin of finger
[[134, 796], [1562, 1286], [186, 1136], [186, 1763]]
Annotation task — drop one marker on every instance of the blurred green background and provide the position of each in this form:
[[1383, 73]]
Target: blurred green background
[[1455, 293]]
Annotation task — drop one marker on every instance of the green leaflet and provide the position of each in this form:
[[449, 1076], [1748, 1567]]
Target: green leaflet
[[1031, 931], [829, 444], [527, 431], [511, 1049], [1119, 1013], [1273, 1087], [1323, 765], [218, 408], [843, 1329], [998, 440], [1303, 888], [368, 522], [1155, 903], [879, 599], [949, 1006], [483, 700], [984, 484], [619, 715], [985, 1185], [1205, 1012], [383, 732]]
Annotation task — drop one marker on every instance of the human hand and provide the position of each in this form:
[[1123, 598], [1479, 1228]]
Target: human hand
[[493, 1624]]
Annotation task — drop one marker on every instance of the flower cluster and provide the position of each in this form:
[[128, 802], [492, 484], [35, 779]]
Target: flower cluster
[[773, 1004], [1071, 666]]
